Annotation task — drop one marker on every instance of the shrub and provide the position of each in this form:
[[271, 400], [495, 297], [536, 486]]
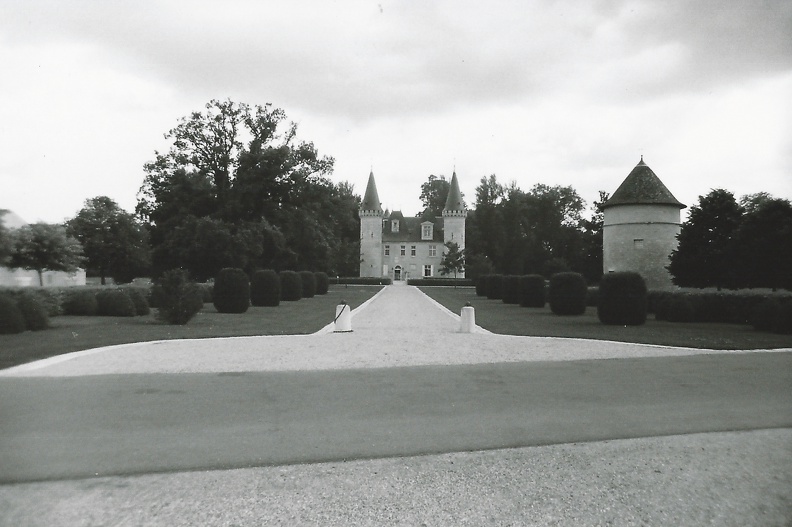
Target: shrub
[[438, 281], [322, 283], [138, 297], [782, 321], [114, 303], [532, 290], [308, 284], [80, 302], [33, 311], [481, 285], [362, 280], [231, 291], [178, 299], [676, 308], [567, 293], [622, 299], [11, 319], [291, 286], [265, 288], [495, 286], [511, 289]]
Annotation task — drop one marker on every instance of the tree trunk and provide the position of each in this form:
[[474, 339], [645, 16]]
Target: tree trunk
[[41, 277]]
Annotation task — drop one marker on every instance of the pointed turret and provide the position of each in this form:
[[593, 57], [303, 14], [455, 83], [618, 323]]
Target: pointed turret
[[454, 203], [642, 187], [371, 200]]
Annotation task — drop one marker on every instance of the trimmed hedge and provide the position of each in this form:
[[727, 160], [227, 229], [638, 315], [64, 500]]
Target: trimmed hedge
[[178, 299], [511, 289], [567, 294], [622, 299], [265, 288], [51, 298], [435, 281], [481, 285], [675, 309], [33, 311], [495, 286], [727, 306], [231, 291], [362, 280], [532, 290], [322, 283], [782, 321], [80, 302], [291, 286], [11, 319], [114, 303], [138, 298], [308, 280]]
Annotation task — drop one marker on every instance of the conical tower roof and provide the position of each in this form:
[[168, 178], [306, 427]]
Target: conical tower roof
[[454, 201], [642, 187], [371, 199]]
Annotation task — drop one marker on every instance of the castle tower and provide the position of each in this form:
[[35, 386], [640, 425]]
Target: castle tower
[[371, 231], [454, 214], [641, 223]]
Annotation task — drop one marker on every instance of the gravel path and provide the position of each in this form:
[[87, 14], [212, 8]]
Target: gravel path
[[740, 479]]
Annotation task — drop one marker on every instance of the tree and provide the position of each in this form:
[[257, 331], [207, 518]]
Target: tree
[[706, 251], [592, 240], [44, 247], [453, 260], [434, 193], [763, 245], [6, 244], [114, 243]]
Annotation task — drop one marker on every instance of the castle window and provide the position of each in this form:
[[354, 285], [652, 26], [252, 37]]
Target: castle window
[[412, 250], [433, 250], [427, 270], [403, 250], [394, 225], [387, 250], [426, 232], [638, 243]]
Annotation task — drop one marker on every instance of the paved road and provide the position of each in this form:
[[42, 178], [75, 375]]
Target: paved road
[[52, 428]]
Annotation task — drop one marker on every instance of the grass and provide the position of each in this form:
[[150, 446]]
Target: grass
[[509, 319], [72, 333]]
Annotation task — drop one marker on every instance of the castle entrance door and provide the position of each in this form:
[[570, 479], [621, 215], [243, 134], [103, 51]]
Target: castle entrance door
[[397, 273]]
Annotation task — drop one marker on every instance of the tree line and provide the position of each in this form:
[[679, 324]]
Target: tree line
[[236, 188]]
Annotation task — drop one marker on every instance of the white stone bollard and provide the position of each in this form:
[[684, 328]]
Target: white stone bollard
[[343, 318], [468, 319]]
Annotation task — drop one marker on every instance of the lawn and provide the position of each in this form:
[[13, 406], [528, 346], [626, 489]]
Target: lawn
[[72, 333], [510, 319]]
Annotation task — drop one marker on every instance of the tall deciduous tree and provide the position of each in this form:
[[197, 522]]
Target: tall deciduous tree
[[705, 254], [114, 243], [763, 245], [453, 260], [5, 240], [45, 247], [434, 193]]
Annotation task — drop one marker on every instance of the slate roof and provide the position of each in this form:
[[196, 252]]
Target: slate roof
[[371, 199], [454, 200], [642, 187], [409, 229]]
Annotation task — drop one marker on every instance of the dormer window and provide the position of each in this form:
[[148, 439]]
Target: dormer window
[[427, 231], [394, 225]]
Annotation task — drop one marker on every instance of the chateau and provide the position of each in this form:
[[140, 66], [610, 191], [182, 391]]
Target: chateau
[[398, 247]]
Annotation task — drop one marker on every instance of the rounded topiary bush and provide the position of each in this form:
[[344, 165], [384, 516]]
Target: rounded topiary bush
[[322, 283], [511, 289], [622, 299], [178, 299], [308, 284], [495, 286], [291, 286], [567, 293], [114, 303], [532, 290], [142, 307], [782, 321], [80, 302], [34, 311], [265, 288], [11, 319], [481, 285], [231, 292], [676, 309]]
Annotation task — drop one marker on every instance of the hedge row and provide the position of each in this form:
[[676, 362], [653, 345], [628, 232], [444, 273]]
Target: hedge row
[[449, 282], [730, 307], [360, 280], [22, 312]]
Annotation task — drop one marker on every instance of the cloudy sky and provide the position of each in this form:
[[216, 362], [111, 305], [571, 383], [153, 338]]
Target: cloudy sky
[[556, 92]]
